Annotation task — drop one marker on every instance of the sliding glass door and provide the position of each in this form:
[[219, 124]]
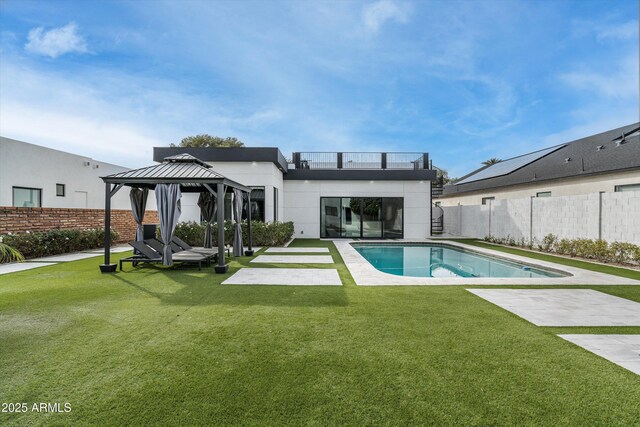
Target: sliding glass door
[[361, 217]]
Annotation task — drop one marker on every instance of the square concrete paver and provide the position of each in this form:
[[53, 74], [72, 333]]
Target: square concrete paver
[[623, 350], [565, 307], [285, 276], [297, 250], [22, 266], [294, 259]]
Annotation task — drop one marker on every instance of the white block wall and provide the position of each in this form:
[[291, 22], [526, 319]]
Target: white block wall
[[610, 216], [302, 202]]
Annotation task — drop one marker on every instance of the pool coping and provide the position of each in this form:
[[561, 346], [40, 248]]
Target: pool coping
[[365, 274]]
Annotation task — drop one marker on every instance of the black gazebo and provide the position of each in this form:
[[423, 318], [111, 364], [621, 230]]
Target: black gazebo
[[192, 176]]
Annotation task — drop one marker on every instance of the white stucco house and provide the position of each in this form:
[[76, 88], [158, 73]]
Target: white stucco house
[[36, 176], [326, 195]]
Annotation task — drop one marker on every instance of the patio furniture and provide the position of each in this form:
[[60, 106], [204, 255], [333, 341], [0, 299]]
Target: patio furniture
[[199, 249], [158, 246], [149, 255]]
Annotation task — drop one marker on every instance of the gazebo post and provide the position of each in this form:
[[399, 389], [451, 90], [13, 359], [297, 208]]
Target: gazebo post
[[221, 267], [107, 267], [249, 251]]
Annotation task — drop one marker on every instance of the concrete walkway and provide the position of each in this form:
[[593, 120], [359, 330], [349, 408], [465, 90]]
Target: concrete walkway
[[293, 259], [297, 250], [623, 350], [285, 276], [564, 307], [54, 259]]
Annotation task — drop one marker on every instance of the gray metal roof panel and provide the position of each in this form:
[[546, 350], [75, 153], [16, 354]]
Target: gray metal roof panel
[[585, 159]]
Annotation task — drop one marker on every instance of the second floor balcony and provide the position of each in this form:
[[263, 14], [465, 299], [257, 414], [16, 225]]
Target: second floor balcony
[[360, 160]]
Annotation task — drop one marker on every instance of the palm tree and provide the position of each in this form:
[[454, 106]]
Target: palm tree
[[8, 254], [491, 161]]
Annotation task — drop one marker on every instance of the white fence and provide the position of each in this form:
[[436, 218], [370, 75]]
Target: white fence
[[608, 216]]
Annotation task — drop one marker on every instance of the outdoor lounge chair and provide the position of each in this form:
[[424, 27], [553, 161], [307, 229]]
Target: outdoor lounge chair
[[199, 249], [149, 255], [158, 246]]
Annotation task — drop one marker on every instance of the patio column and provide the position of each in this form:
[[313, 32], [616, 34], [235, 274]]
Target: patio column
[[221, 267], [249, 251], [107, 267]]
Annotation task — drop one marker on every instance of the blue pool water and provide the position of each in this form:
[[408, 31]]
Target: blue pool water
[[431, 260]]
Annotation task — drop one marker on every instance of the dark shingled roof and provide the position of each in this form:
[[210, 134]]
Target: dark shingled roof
[[596, 154]]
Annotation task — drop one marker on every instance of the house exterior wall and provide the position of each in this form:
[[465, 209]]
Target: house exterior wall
[[251, 174], [609, 216], [28, 165], [302, 202], [564, 187]]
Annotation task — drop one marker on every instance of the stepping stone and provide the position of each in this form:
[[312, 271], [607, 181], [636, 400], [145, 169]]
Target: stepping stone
[[22, 266], [564, 307], [285, 276], [298, 250], [66, 257], [294, 259], [623, 350]]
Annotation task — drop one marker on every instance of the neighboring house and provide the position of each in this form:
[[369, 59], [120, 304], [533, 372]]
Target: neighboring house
[[36, 176], [354, 195], [606, 162]]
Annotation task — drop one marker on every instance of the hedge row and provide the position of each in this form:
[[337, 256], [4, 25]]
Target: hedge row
[[262, 233], [600, 250], [54, 242]]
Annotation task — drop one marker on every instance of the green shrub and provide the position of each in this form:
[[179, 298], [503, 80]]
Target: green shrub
[[622, 252], [54, 242], [548, 243], [263, 234]]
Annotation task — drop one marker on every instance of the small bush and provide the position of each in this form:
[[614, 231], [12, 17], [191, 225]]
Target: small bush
[[263, 234], [548, 243], [54, 242], [600, 250]]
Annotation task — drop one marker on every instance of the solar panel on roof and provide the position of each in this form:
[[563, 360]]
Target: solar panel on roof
[[507, 166]]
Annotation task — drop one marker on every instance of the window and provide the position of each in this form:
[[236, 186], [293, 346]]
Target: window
[[628, 187], [275, 204], [362, 217], [544, 194], [257, 205], [60, 190], [27, 197], [485, 200]]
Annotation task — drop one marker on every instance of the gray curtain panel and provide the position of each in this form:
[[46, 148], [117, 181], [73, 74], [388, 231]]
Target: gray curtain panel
[[208, 209], [168, 199], [138, 198], [237, 216]]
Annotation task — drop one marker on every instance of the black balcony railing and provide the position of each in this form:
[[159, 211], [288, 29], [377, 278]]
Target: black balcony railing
[[353, 160]]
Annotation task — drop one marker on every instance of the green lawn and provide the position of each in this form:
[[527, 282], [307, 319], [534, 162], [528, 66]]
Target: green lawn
[[168, 347]]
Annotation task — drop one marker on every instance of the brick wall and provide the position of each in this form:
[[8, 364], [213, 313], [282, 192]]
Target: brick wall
[[20, 220]]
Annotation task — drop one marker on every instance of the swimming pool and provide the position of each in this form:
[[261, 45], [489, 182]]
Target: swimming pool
[[439, 260]]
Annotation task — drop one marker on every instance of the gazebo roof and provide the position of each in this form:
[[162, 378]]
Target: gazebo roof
[[184, 169]]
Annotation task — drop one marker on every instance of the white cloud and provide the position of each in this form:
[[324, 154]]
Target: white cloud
[[56, 42], [619, 81], [375, 15], [626, 31]]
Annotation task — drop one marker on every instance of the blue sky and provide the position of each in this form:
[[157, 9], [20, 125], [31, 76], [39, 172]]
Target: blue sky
[[462, 80]]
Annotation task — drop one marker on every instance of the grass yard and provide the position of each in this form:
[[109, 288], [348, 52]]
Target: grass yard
[[168, 347]]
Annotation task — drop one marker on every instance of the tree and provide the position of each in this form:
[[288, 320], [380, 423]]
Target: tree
[[442, 176], [205, 140], [491, 161]]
